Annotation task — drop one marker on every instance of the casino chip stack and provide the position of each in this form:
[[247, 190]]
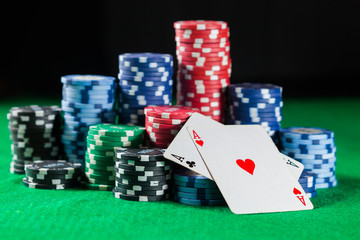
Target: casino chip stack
[[35, 135], [313, 147], [102, 139], [256, 103], [87, 100], [194, 189], [204, 65], [52, 175], [307, 182], [162, 123], [141, 174], [145, 79]]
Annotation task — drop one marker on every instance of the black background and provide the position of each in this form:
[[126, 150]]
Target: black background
[[311, 48]]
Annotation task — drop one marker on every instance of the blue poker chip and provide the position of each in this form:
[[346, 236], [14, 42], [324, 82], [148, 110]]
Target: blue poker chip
[[254, 109], [86, 106], [255, 119], [140, 97], [145, 57], [270, 106], [197, 202], [90, 87], [309, 156], [143, 93], [80, 110], [79, 143], [323, 170], [146, 70], [89, 101], [144, 79], [307, 142], [92, 115], [256, 88], [307, 146], [86, 96], [320, 166], [306, 177], [138, 104], [143, 84], [146, 64], [326, 185], [317, 161], [87, 80], [310, 151], [311, 194], [139, 88], [145, 74], [307, 133], [76, 92], [201, 191], [308, 189], [233, 111], [191, 176], [198, 196], [326, 179], [241, 99]]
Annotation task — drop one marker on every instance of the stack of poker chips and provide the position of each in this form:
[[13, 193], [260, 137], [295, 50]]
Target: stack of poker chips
[[141, 174], [35, 135], [87, 100], [313, 147], [52, 175], [162, 123], [102, 139], [307, 182], [204, 65], [256, 103], [145, 79], [194, 189]]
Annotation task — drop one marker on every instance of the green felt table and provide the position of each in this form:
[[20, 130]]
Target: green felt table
[[83, 214]]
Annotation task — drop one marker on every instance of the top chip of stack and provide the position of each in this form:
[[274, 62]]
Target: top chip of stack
[[164, 122], [87, 100], [145, 79], [35, 135], [204, 65], [256, 103], [315, 148]]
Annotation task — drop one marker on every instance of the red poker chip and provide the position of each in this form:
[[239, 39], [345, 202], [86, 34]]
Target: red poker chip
[[199, 105], [163, 136], [203, 68], [203, 59], [165, 121], [203, 77], [182, 49], [159, 145], [202, 91], [202, 32], [200, 24], [199, 95], [202, 99], [217, 113], [193, 37], [163, 131], [169, 112], [162, 141], [219, 82], [205, 73], [202, 55], [162, 126], [205, 64], [189, 45]]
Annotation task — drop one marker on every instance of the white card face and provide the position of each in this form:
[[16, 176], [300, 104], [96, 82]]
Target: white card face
[[248, 169], [183, 151]]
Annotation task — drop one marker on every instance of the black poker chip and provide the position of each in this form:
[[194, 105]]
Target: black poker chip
[[30, 184], [140, 154], [141, 187], [141, 193], [138, 168], [53, 167], [139, 198]]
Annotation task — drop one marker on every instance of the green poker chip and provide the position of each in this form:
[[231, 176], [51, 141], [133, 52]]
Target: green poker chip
[[100, 158], [116, 130], [102, 153], [100, 176], [134, 143], [99, 172], [113, 139], [94, 186], [99, 162]]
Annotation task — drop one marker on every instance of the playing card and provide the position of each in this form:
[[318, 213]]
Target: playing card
[[183, 151], [248, 169]]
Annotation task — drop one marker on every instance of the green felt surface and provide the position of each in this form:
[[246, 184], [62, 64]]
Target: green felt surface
[[80, 214]]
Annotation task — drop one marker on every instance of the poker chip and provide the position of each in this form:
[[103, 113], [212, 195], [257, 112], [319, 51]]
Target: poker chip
[[57, 174], [162, 123], [315, 148], [204, 65], [142, 174], [34, 134], [256, 103], [194, 189], [102, 142], [87, 100], [145, 79]]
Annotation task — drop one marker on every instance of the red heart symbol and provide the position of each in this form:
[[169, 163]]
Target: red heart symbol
[[248, 165], [200, 142], [296, 191]]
